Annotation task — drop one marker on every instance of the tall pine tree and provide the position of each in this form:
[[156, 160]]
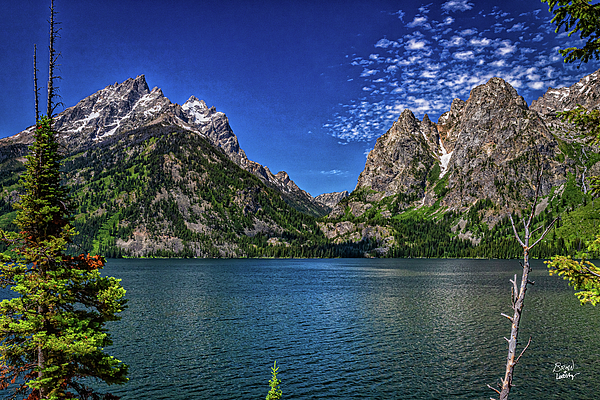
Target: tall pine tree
[[52, 334]]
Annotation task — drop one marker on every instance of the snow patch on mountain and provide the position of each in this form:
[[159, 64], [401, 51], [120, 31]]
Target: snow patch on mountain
[[444, 159]]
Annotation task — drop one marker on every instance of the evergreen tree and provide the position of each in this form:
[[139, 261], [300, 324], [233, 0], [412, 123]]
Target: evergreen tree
[[53, 333], [579, 16]]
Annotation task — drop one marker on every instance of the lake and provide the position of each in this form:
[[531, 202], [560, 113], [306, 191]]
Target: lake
[[347, 329]]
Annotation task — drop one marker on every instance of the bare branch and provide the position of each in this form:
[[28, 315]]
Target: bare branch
[[494, 389], [515, 230], [515, 290], [52, 65], [523, 351], [537, 229], [536, 197], [35, 84], [590, 271], [545, 232], [504, 315]]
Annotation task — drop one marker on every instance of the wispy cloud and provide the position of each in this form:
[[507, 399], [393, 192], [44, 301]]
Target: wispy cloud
[[439, 57], [457, 5], [334, 172]]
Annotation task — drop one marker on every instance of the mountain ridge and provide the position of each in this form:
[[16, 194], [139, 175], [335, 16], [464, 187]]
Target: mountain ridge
[[479, 162], [154, 178], [131, 104]]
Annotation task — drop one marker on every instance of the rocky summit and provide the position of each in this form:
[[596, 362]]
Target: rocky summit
[[131, 105], [153, 178], [482, 157]]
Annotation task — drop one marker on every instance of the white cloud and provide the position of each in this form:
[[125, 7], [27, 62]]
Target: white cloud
[[417, 21], [385, 43], [537, 85], [538, 38], [447, 21], [464, 55], [517, 28], [531, 74], [429, 74], [480, 42], [468, 32], [506, 49], [457, 5], [498, 64], [368, 72], [335, 171], [455, 41], [414, 44]]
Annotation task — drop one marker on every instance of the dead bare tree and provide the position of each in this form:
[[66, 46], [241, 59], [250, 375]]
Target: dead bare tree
[[35, 84], [518, 295], [52, 89]]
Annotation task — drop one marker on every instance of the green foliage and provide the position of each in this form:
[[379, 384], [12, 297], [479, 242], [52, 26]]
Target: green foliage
[[582, 17], [440, 188], [434, 174], [578, 16], [582, 275], [53, 333], [275, 393]]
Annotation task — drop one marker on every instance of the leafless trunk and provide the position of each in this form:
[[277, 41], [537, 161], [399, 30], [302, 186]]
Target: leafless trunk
[[35, 85], [53, 63], [518, 297]]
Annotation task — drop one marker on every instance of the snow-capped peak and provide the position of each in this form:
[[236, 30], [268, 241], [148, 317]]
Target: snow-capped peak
[[196, 110]]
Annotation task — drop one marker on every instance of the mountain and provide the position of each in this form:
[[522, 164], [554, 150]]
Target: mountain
[[331, 199], [586, 92], [152, 178], [461, 177], [130, 105]]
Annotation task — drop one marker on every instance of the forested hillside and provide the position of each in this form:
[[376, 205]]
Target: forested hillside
[[165, 191]]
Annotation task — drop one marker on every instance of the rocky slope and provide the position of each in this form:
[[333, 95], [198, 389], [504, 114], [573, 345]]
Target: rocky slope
[[586, 92], [120, 108], [162, 190], [483, 155], [331, 199]]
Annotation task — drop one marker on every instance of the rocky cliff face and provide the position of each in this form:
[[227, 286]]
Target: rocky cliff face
[[132, 105], [478, 149], [498, 144], [586, 92], [401, 159], [484, 151], [332, 199]]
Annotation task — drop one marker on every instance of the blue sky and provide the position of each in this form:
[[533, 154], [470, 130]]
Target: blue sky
[[308, 86]]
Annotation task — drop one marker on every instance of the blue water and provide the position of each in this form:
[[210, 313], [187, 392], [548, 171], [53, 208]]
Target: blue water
[[346, 329]]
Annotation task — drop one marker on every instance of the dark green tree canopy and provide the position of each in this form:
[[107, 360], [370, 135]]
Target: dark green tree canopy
[[578, 16]]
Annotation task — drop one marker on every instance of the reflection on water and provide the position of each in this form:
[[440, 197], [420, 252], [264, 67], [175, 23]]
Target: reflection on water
[[345, 329]]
